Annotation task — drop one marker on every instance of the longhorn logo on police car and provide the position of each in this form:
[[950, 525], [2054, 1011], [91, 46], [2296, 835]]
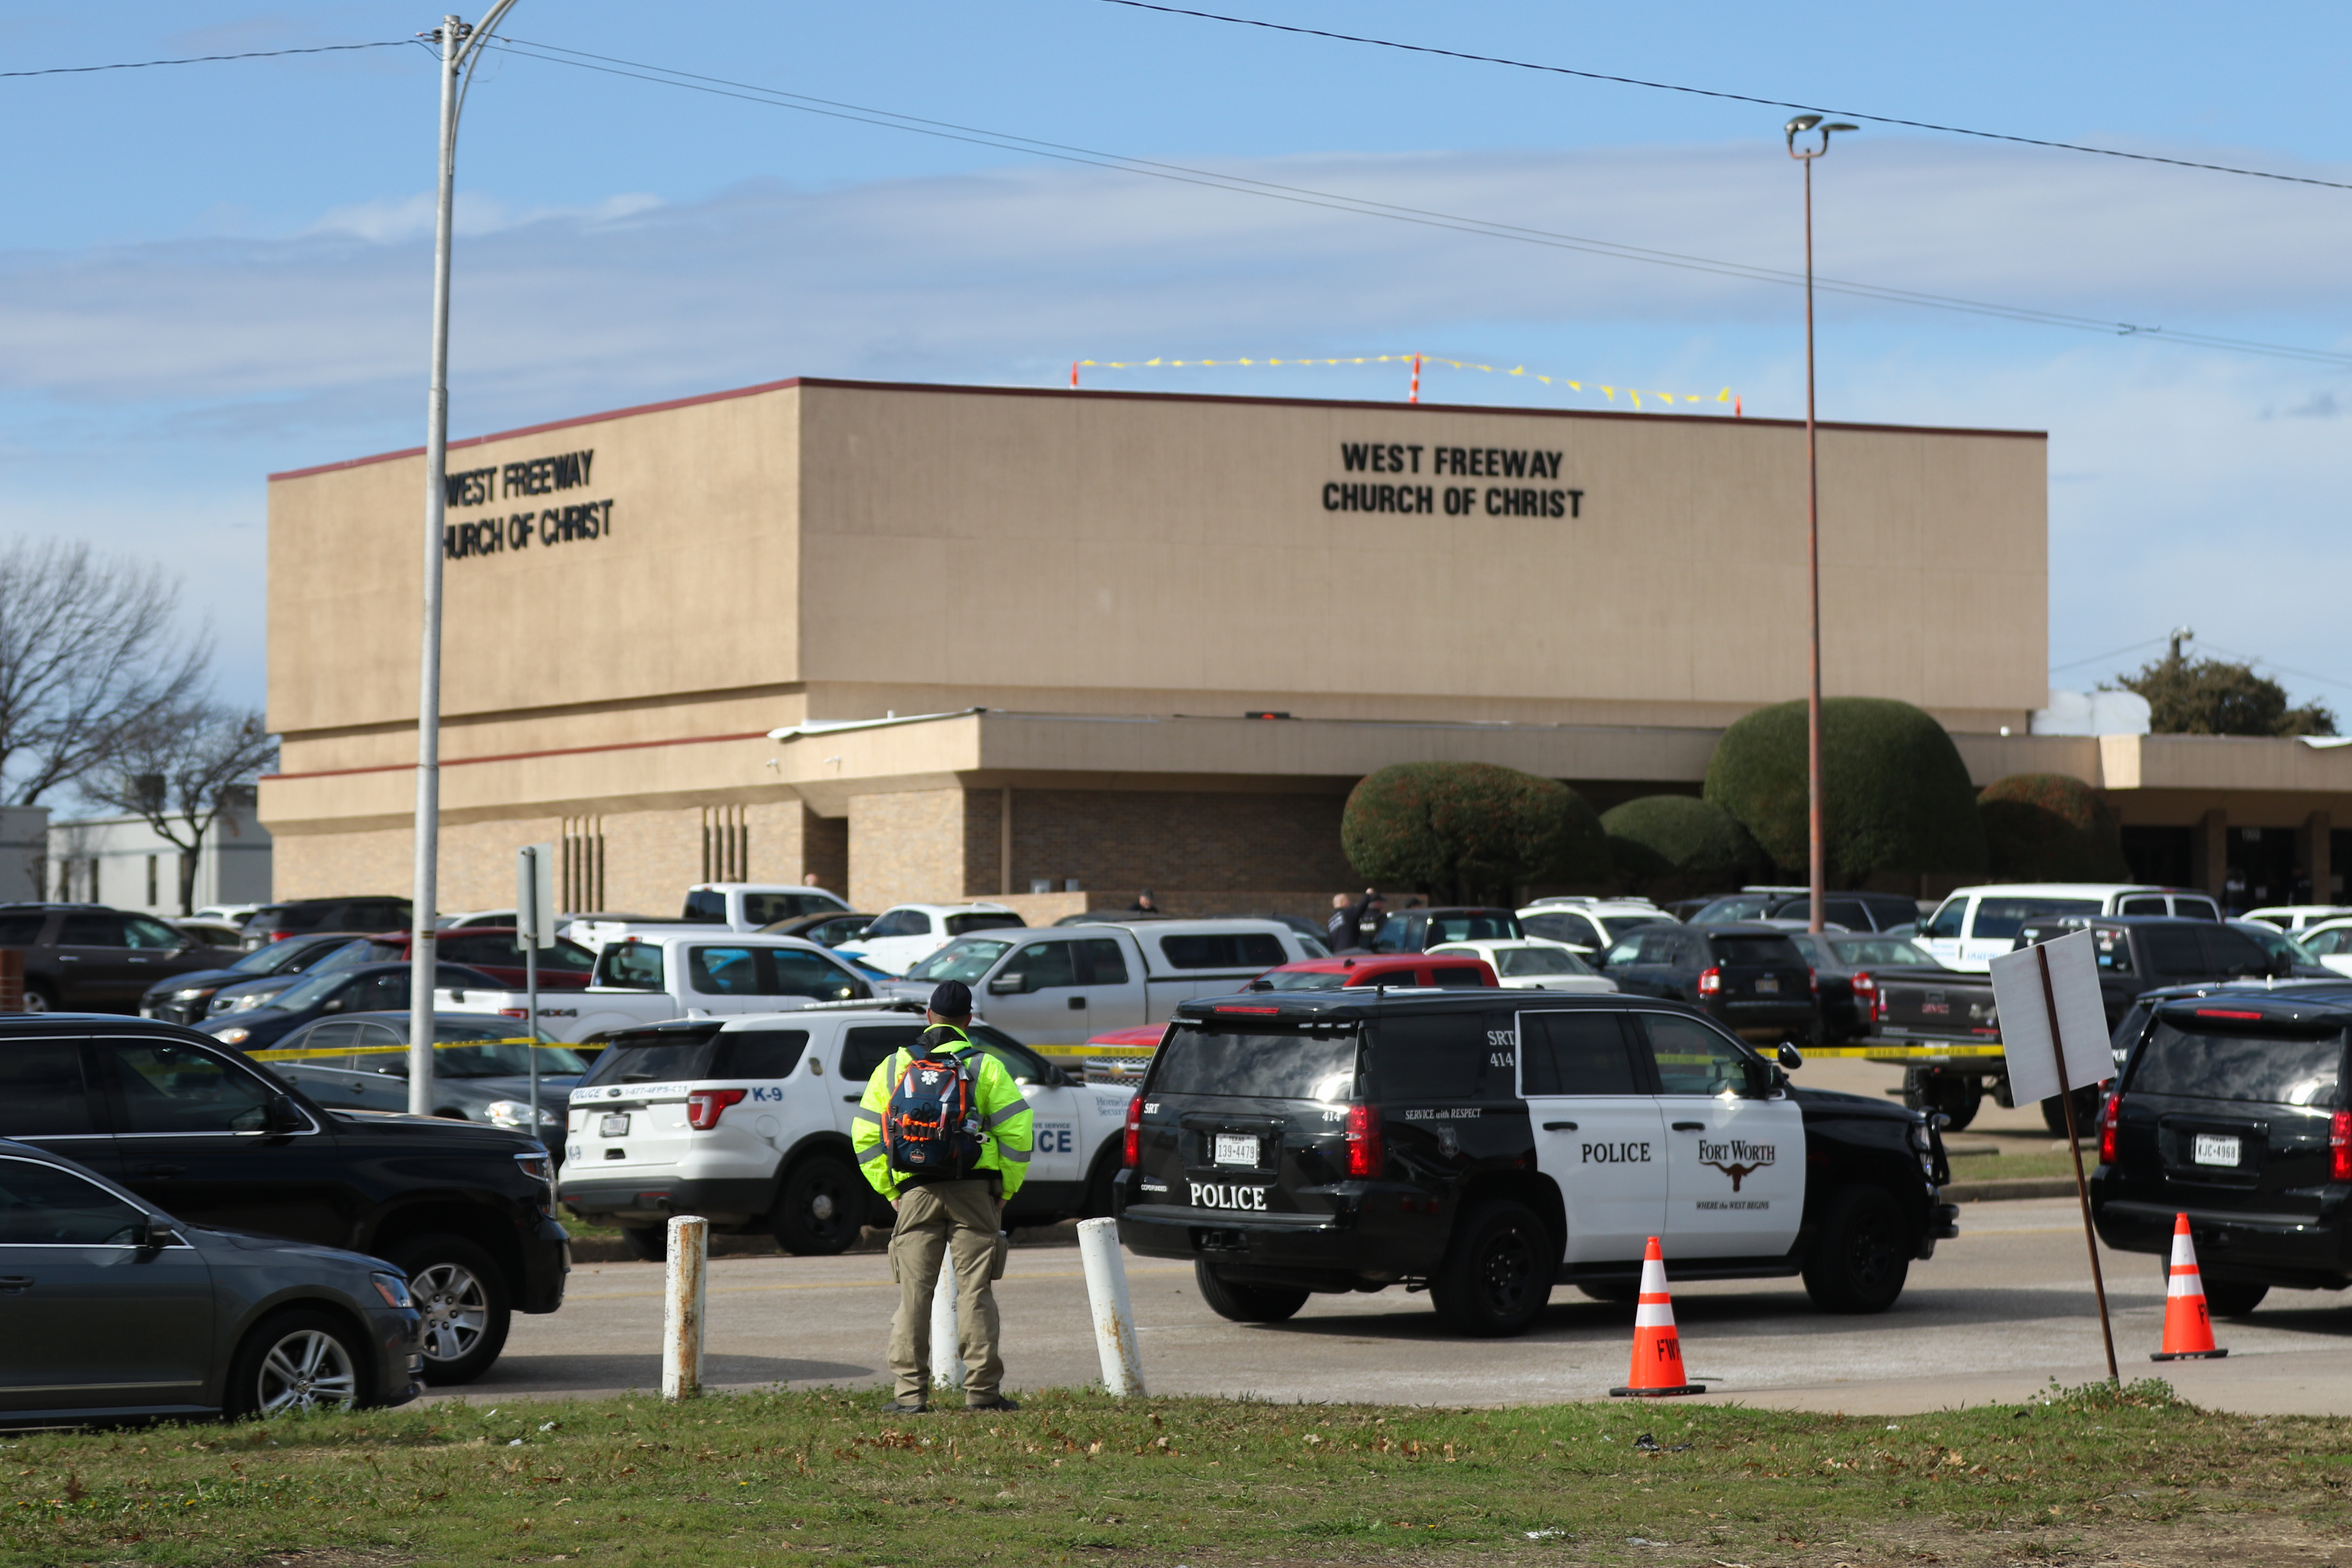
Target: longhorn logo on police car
[[1738, 1158], [1224, 1196]]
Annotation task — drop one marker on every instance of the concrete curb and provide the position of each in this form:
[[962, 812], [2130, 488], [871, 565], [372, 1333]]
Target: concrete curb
[[2010, 1187], [611, 1250]]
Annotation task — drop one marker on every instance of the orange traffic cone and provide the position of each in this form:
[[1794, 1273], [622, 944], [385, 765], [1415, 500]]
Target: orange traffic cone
[[2188, 1327], [1657, 1349]]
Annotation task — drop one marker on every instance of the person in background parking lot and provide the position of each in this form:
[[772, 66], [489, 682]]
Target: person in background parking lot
[[1340, 929], [942, 1217], [1143, 904]]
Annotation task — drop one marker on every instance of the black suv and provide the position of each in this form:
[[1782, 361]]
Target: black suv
[[1489, 1144], [300, 917], [2230, 1107], [97, 960], [466, 1211], [1750, 978]]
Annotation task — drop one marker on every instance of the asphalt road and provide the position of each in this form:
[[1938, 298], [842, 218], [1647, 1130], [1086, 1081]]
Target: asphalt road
[[1992, 1317]]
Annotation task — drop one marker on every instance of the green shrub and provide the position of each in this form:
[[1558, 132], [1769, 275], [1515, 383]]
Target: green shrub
[[1679, 846], [2050, 827], [1470, 832], [1896, 796]]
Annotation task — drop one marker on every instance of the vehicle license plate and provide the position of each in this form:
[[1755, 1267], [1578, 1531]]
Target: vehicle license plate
[[614, 1126], [2211, 1150], [1232, 1149], [1769, 986]]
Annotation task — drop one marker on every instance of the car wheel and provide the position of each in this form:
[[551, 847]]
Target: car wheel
[[649, 1243], [463, 1297], [296, 1362], [2229, 1298], [37, 999], [1861, 1254], [1497, 1276], [1246, 1303], [820, 1209], [2086, 1114]]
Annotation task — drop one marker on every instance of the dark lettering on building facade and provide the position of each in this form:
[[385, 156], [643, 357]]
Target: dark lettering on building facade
[[500, 535], [1457, 500]]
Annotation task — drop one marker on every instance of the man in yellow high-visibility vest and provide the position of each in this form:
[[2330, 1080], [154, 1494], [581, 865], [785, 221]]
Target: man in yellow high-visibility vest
[[946, 1217]]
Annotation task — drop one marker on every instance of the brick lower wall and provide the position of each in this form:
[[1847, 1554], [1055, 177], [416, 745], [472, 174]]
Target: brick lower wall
[[911, 847], [1119, 842]]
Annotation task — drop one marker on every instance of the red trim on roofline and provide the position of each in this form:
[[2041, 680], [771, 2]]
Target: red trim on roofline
[[1406, 408], [523, 756]]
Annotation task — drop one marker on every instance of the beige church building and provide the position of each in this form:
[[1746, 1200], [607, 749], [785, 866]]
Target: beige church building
[[935, 643]]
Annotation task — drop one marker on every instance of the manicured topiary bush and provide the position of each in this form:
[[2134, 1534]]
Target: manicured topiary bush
[[2050, 827], [1896, 796], [1470, 832], [1679, 846]]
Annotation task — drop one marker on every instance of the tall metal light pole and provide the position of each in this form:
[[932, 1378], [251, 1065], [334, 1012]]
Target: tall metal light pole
[[461, 48], [1817, 877]]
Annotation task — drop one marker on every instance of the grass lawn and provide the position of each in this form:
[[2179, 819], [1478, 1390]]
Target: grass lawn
[[1078, 1478], [1996, 1167]]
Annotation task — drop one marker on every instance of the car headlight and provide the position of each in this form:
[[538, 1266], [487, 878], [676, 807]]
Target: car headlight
[[188, 996], [392, 1288], [233, 1037], [516, 1113]]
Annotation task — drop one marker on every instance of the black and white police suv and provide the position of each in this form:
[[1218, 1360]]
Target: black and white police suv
[[1489, 1144]]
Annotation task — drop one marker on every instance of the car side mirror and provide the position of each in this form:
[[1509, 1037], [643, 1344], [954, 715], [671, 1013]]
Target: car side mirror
[[1789, 1057], [1012, 984], [332, 1004], [282, 1115]]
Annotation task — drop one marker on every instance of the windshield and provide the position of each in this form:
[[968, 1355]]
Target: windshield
[[1514, 962], [1618, 925], [358, 950], [1308, 979], [1479, 925], [1736, 907], [966, 959], [1945, 924], [308, 991], [1270, 1066], [1756, 950], [2273, 940], [1860, 950], [2181, 1057], [1998, 920]]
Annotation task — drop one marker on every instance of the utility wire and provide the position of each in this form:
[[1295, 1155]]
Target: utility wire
[[1732, 96], [775, 98], [2102, 657], [207, 59]]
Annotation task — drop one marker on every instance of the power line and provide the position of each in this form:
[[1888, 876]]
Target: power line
[[207, 59], [1732, 96], [1363, 206], [2102, 657]]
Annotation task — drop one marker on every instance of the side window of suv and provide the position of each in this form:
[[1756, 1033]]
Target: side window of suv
[[41, 1092], [1576, 1053], [167, 1087], [91, 931], [1445, 1055], [1692, 1058], [863, 1050], [22, 930], [2173, 951]]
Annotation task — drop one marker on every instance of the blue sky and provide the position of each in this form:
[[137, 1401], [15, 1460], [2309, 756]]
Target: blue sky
[[210, 272]]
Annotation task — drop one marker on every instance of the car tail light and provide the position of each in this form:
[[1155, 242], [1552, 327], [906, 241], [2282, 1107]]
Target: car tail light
[[704, 1107], [1711, 982], [1364, 1153], [1866, 997], [1131, 1150], [2112, 1112], [2339, 1147], [1814, 981], [514, 1013]]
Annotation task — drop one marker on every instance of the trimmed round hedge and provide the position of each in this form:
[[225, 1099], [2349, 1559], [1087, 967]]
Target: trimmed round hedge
[[1896, 796], [1470, 831], [1679, 846], [2050, 827]]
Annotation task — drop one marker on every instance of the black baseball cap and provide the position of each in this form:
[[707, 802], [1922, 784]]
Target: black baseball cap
[[952, 999]]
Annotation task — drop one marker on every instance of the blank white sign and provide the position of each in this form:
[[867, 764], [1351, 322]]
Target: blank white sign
[[2026, 1018]]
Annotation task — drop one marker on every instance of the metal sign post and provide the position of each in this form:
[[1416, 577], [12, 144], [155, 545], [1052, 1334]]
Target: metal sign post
[[534, 929], [2053, 1028]]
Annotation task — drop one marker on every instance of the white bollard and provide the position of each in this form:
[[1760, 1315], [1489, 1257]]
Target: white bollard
[[947, 1344], [689, 1246], [1122, 1361]]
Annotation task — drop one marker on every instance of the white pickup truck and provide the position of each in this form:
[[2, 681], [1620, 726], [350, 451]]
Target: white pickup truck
[[1055, 987], [730, 906], [647, 977]]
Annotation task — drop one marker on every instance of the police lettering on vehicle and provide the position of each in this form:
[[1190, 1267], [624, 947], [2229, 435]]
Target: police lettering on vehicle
[[1219, 1195], [1615, 1153]]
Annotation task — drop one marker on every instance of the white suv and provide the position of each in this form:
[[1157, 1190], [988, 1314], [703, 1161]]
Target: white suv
[[905, 934], [1591, 926], [1975, 925], [746, 1122]]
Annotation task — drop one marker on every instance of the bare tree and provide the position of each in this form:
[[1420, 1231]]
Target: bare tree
[[90, 650], [179, 770]]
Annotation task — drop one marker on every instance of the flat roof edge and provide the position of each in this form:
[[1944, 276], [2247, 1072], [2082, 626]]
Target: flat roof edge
[[955, 389]]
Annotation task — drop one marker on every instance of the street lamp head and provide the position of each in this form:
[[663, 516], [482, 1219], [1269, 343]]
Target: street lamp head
[[1804, 122], [1839, 125]]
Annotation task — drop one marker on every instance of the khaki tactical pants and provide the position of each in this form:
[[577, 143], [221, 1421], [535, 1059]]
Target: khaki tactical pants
[[938, 1220]]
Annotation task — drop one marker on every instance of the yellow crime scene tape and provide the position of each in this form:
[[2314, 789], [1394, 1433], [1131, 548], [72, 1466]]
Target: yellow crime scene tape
[[1417, 361], [1901, 1053], [382, 1050]]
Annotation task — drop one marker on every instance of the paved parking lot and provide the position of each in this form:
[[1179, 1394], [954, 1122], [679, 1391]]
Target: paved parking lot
[[1993, 1316]]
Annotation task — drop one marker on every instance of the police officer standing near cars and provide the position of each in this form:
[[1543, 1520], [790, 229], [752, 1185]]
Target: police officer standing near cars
[[951, 1219]]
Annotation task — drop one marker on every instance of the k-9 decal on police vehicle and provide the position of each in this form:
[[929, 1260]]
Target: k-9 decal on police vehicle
[[1738, 1158], [1220, 1196]]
